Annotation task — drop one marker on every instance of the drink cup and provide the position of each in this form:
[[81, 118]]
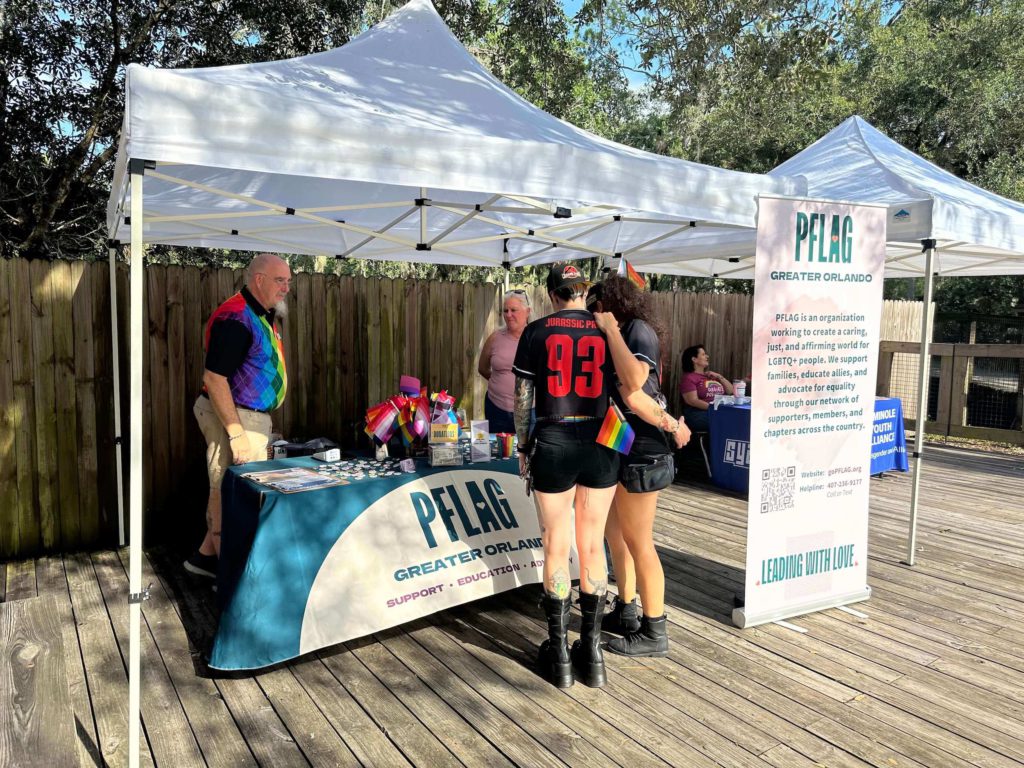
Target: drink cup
[[739, 388]]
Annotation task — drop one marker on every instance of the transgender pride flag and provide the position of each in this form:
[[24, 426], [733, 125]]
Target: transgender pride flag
[[615, 431]]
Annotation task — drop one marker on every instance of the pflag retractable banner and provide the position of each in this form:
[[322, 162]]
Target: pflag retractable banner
[[817, 309]]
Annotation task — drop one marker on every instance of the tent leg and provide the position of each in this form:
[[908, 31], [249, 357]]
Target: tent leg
[[137, 275], [114, 334], [924, 379]]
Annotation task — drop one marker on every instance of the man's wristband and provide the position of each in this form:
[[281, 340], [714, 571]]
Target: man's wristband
[[240, 434]]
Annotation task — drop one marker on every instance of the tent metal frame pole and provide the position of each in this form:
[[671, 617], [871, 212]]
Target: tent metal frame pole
[[114, 339], [136, 595], [923, 380]]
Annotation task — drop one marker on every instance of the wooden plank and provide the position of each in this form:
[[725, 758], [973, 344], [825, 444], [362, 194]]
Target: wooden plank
[[85, 404], [884, 378], [156, 415], [46, 468], [98, 275], [959, 382], [373, 341], [460, 737], [319, 355], [36, 721], [124, 365], [913, 347], [346, 363], [416, 742], [512, 738], [62, 292], [263, 732], [635, 709], [208, 716], [177, 404], [313, 733], [53, 584], [1015, 351], [302, 328], [945, 394], [368, 742], [574, 734], [167, 728], [21, 579], [104, 668], [193, 332], [386, 311], [9, 417], [334, 413]]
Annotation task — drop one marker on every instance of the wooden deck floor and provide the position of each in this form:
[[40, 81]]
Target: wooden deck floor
[[934, 676]]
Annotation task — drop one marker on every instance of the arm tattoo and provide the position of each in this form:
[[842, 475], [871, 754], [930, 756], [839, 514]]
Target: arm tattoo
[[523, 404], [559, 586], [598, 587]]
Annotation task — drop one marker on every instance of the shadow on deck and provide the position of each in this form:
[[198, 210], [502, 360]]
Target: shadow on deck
[[929, 672]]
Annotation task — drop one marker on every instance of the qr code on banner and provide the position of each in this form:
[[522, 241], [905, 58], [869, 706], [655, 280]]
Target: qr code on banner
[[777, 486]]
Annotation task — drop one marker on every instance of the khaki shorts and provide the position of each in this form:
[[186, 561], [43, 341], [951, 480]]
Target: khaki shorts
[[257, 428]]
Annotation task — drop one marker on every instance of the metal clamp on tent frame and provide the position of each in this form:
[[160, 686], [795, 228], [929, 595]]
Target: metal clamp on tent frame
[[140, 597]]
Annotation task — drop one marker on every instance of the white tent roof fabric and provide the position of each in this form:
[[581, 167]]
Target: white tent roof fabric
[[976, 232], [319, 153]]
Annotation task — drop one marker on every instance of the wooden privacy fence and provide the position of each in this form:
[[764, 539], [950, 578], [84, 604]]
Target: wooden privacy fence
[[347, 341]]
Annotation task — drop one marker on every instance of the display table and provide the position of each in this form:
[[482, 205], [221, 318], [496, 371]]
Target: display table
[[730, 442], [307, 570]]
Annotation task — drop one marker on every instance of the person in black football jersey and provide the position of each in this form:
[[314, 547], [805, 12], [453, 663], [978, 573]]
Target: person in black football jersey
[[632, 330], [562, 365]]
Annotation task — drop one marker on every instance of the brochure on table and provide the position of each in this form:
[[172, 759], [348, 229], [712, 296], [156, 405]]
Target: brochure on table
[[817, 309]]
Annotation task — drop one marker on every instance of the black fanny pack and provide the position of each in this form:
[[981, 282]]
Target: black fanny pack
[[654, 475]]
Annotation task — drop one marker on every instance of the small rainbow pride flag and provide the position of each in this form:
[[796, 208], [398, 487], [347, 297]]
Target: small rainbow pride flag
[[615, 431], [626, 270]]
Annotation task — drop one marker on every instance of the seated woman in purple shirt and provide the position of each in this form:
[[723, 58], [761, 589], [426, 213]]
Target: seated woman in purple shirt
[[699, 387]]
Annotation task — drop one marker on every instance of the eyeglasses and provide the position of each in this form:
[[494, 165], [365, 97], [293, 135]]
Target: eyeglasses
[[282, 281]]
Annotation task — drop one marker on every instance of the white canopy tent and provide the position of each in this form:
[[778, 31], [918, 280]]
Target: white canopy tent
[[398, 145], [399, 141], [975, 231], [938, 224]]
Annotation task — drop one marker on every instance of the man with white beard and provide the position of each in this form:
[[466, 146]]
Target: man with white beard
[[244, 380]]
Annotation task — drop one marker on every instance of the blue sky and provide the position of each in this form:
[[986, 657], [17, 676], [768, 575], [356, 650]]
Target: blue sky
[[635, 80]]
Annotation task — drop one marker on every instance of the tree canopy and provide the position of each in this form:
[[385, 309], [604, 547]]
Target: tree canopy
[[742, 84]]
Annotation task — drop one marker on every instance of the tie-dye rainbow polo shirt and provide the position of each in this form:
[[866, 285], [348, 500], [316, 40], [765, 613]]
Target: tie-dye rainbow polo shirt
[[260, 382]]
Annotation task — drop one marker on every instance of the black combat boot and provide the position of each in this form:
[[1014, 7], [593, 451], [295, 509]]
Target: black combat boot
[[651, 640], [623, 619], [587, 657], [553, 659]]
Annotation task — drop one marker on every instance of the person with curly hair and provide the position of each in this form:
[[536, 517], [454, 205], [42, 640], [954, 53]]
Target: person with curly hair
[[633, 330]]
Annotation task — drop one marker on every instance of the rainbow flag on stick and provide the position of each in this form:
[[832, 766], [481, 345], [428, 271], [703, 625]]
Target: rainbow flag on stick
[[626, 270], [615, 431]]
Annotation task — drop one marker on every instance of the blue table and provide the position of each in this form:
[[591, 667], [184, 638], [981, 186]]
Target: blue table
[[730, 442], [303, 571]]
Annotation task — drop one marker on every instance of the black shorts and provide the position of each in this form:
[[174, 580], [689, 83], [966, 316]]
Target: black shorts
[[565, 455]]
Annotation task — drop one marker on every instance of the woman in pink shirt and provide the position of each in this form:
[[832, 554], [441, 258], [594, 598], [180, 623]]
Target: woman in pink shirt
[[699, 387], [496, 361]]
